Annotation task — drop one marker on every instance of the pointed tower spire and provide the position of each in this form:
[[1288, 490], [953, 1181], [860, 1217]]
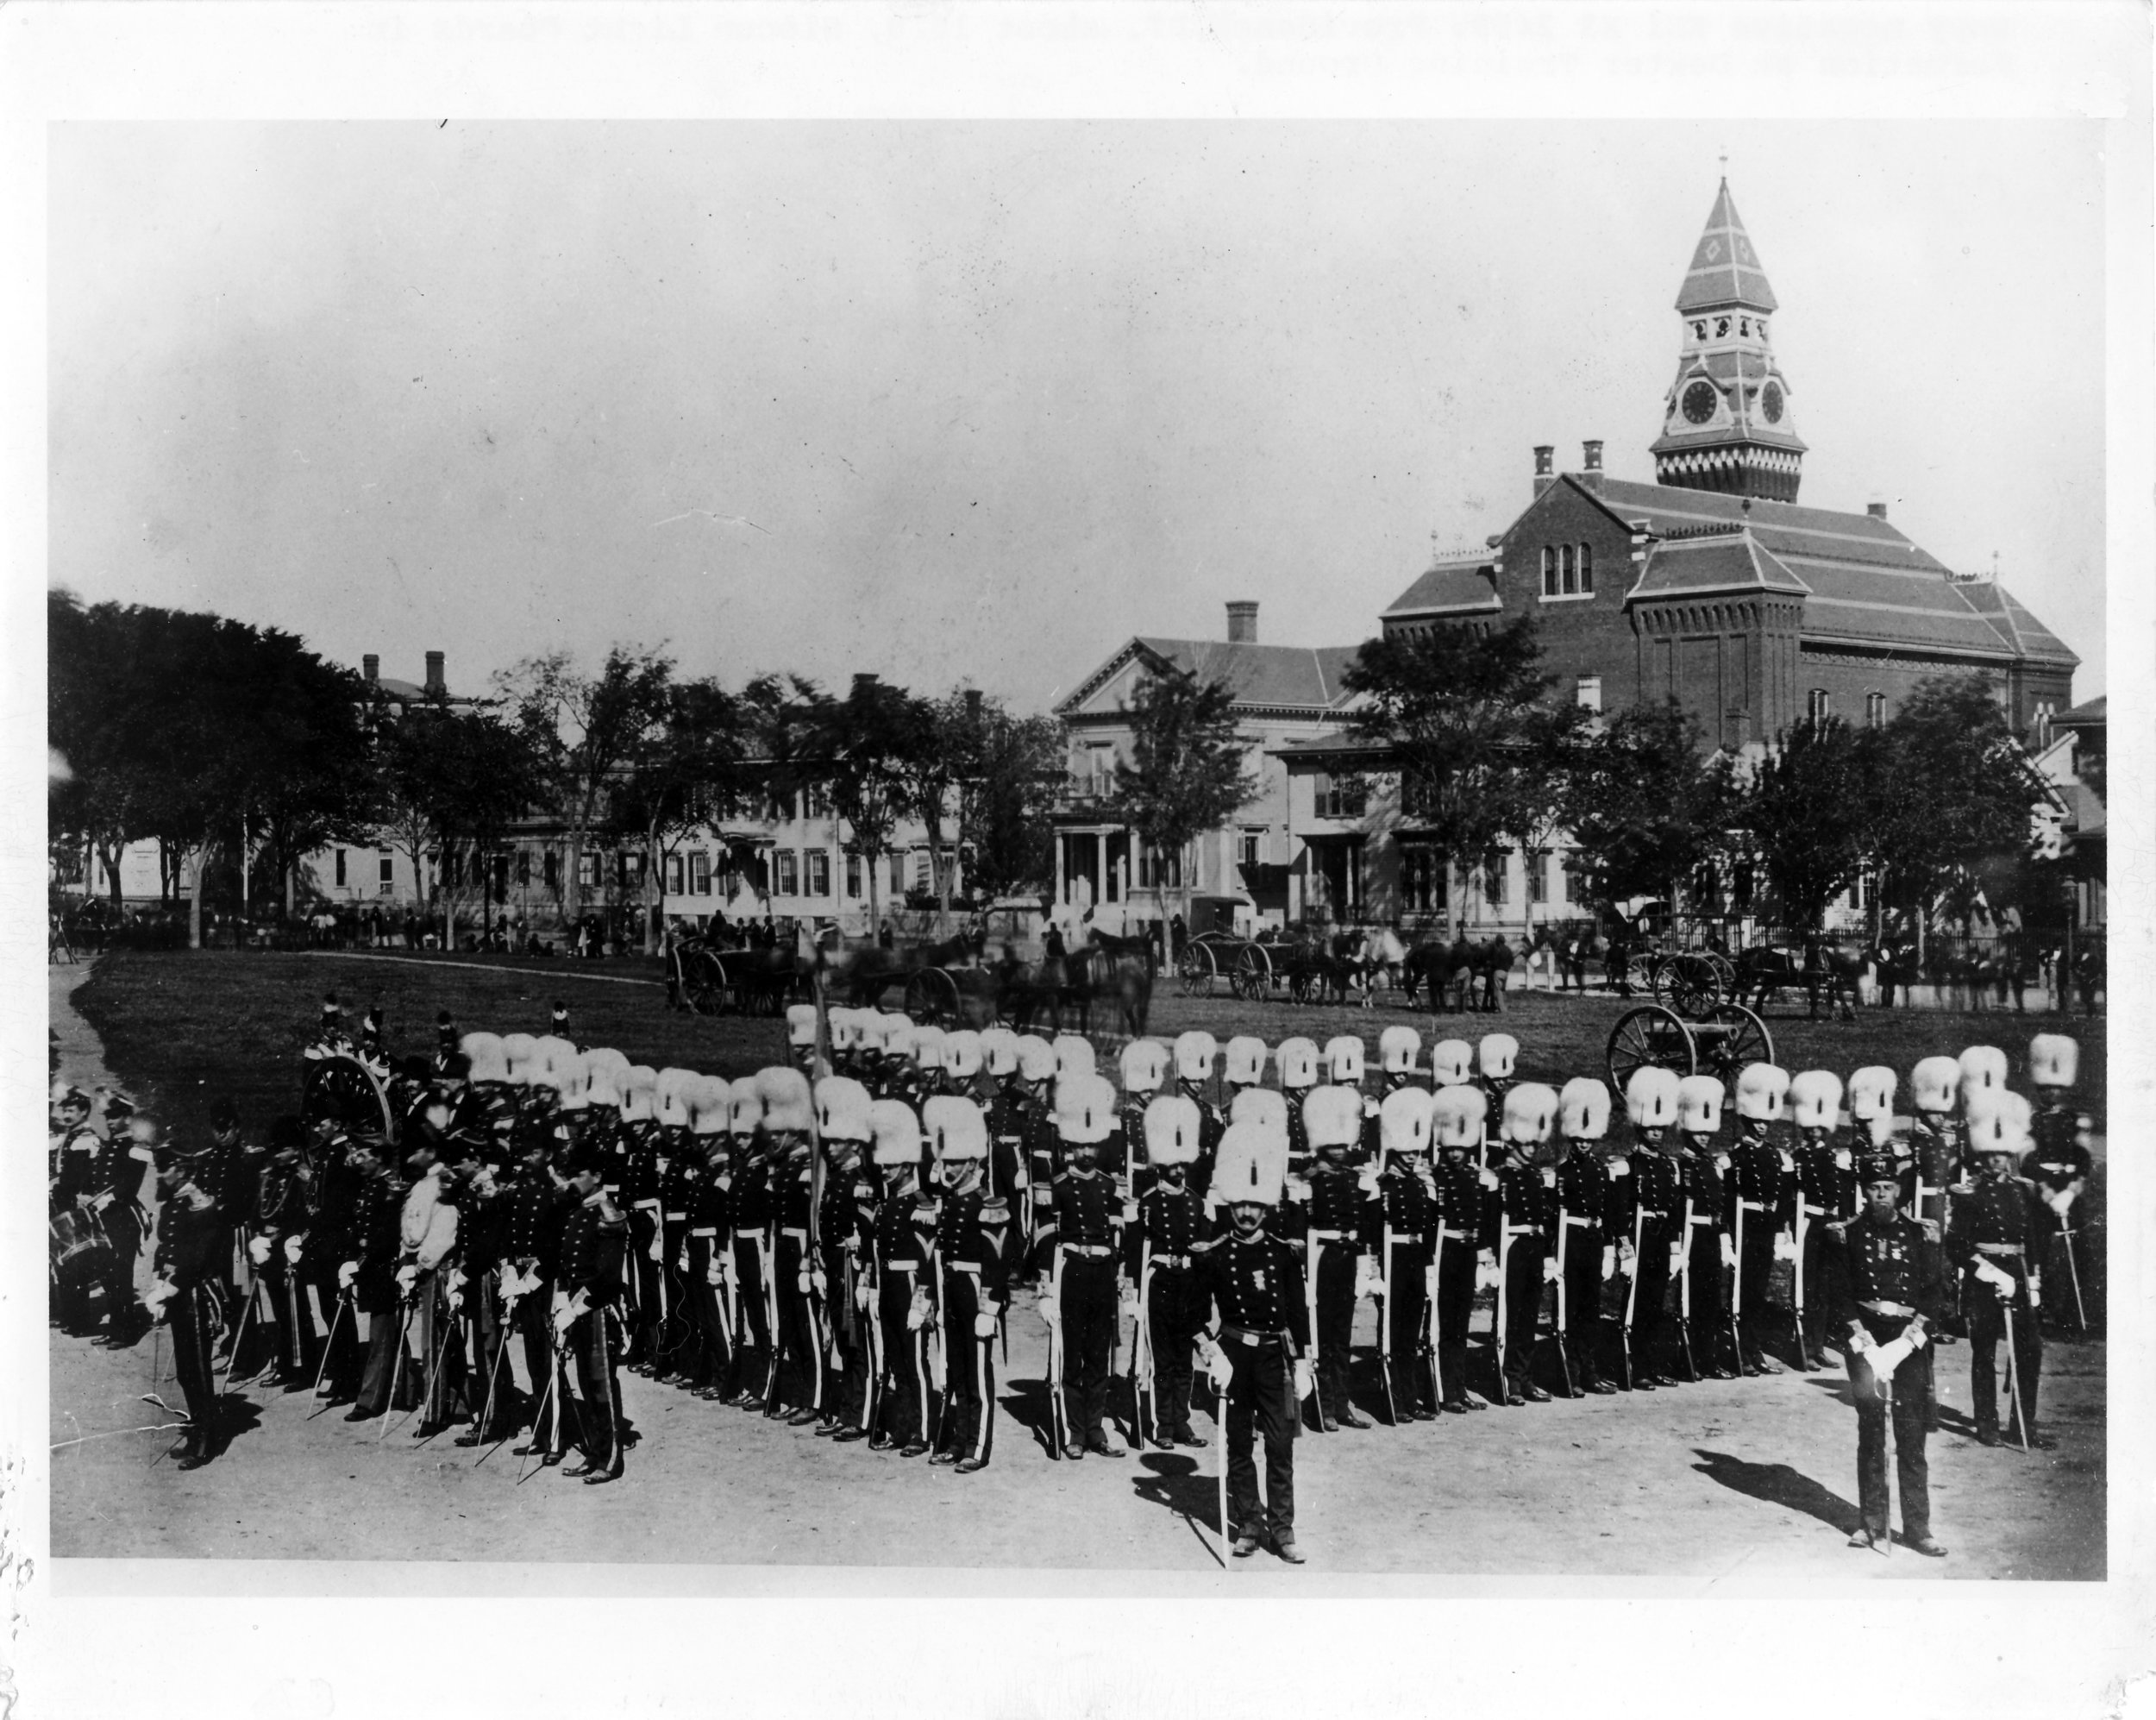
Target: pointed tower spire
[[1726, 422]]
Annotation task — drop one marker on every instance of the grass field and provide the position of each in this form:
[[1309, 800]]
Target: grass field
[[186, 1026]]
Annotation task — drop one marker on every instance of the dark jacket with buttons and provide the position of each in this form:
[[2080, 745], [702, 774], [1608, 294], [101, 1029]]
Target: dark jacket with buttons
[[1336, 1206], [2002, 1210], [1258, 1287], [970, 1233], [1889, 1263], [1402, 1206], [1084, 1211], [593, 1243], [534, 1213], [1170, 1222]]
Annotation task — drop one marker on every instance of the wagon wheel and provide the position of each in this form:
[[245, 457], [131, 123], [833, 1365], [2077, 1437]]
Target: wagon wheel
[[1252, 977], [1690, 984], [1729, 1038], [931, 996], [1195, 970], [704, 982], [342, 1090], [1649, 1035], [1639, 971]]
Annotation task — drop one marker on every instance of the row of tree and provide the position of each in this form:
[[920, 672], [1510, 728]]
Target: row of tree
[[1937, 805], [226, 742]]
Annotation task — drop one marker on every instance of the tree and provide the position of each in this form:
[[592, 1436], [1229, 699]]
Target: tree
[[584, 728], [1643, 805], [1185, 774], [865, 749], [1455, 708], [1014, 771], [452, 783], [692, 760], [1803, 813], [1954, 797], [1539, 770]]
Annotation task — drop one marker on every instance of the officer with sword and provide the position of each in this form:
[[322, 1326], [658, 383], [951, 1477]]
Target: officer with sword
[[2060, 1160], [1164, 1248], [972, 1249], [901, 1302], [1998, 1231]]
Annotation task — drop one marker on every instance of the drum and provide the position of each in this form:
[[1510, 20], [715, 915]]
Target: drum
[[77, 1242]]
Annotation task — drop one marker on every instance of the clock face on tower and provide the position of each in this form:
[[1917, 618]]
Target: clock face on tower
[[1770, 402], [1699, 402]]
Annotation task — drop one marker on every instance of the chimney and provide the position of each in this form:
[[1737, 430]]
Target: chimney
[[370, 669], [864, 683], [973, 704], [1546, 454], [1591, 464], [1877, 510], [1242, 623], [436, 685]]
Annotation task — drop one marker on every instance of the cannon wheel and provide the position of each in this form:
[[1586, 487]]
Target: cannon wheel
[[1252, 979], [702, 983], [1729, 1039], [931, 996], [1650, 1035], [1196, 970], [1691, 983], [1640, 969], [344, 1089]]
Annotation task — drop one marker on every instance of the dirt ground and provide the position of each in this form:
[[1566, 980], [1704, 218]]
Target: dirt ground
[[1747, 1481]]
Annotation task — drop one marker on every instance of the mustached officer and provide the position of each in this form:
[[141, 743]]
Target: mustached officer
[[973, 1236], [1163, 1250], [1258, 1333], [2059, 1162], [1885, 1293], [1081, 1245], [587, 1315]]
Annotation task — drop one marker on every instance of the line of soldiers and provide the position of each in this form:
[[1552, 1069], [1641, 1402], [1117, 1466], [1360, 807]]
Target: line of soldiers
[[601, 1212]]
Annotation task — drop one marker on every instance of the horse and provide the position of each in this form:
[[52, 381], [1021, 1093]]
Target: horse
[[1764, 971], [1457, 966], [1369, 954], [1576, 949]]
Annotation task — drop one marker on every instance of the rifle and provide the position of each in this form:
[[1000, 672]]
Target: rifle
[[1220, 1465], [1497, 1331], [767, 1264], [606, 1385], [1565, 1360], [1430, 1319], [1312, 1249], [1143, 1392], [1886, 1434], [1684, 1296], [872, 1394], [1631, 1290], [1797, 1282], [1737, 1290], [1059, 1411]]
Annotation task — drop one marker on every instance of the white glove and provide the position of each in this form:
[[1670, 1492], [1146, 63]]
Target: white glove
[[861, 1295], [1368, 1181], [1609, 1261], [258, 1250], [1729, 1250], [1430, 1282], [1626, 1258], [1369, 1282], [157, 1296], [1789, 1161], [681, 1261], [1885, 1358], [1218, 1367], [408, 1280], [657, 1250], [1051, 1314], [801, 1281], [2061, 1202], [1306, 1379], [2035, 1294], [1842, 1158], [1129, 1301], [714, 1274], [2000, 1281], [984, 1325], [1549, 1268], [1486, 1271], [1784, 1246], [1677, 1258], [1859, 1341], [918, 1315], [291, 1250], [818, 1282], [346, 1273]]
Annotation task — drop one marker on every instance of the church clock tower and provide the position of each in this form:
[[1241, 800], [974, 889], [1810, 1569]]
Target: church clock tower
[[1726, 423]]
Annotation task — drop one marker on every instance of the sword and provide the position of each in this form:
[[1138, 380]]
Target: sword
[[1565, 1360], [329, 1343], [1311, 1250], [1059, 1410], [1142, 1354], [1385, 1332], [397, 1372], [1430, 1323], [2074, 1274], [501, 1350], [2013, 1379], [1632, 1290], [1497, 1333], [1886, 1432], [1796, 1282], [1684, 1297], [1737, 1288]]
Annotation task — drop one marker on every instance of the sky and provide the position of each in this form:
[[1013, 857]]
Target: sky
[[973, 402]]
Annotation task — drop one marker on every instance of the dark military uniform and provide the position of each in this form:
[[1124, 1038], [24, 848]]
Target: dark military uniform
[[535, 1211], [1582, 1199], [483, 1234], [1257, 1289], [2005, 1222], [1212, 1125], [1518, 1216], [1456, 1210], [1081, 1241], [593, 1241], [376, 1240], [711, 1227], [1654, 1215], [972, 1238], [1757, 1197], [1162, 1251], [1938, 1148], [638, 1198], [1335, 1243], [843, 1223], [1044, 1150], [754, 1362], [1398, 1224], [77, 1175], [1009, 1117], [800, 1336], [1881, 1279], [189, 1246], [1704, 1174], [2054, 1165], [1825, 1183], [904, 1242], [682, 1172], [1299, 1154], [283, 1212]]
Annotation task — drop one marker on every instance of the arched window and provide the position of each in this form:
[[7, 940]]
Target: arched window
[[1549, 571], [1587, 567], [1571, 570]]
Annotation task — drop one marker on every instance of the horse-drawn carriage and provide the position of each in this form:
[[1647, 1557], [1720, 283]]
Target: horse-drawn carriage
[[1215, 956], [710, 981], [1689, 981]]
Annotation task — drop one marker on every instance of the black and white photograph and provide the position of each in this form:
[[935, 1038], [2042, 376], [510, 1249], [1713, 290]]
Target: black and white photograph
[[1210, 854]]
